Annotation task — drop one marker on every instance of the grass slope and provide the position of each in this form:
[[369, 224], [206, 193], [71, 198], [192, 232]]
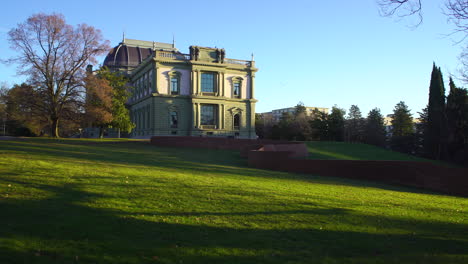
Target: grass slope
[[355, 151], [81, 201]]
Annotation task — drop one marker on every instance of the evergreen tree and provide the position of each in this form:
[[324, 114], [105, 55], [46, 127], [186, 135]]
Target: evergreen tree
[[435, 133], [120, 94], [375, 133], [354, 126], [457, 120], [336, 124], [319, 125], [402, 138], [420, 129]]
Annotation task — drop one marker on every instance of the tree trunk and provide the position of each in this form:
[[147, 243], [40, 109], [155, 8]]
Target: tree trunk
[[55, 127], [101, 132], [118, 132]]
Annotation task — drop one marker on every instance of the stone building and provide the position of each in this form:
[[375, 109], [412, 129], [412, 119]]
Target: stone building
[[202, 93], [277, 113]]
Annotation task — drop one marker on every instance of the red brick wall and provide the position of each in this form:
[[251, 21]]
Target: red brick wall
[[282, 156], [409, 173]]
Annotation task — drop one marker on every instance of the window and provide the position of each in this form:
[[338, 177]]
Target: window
[[174, 119], [236, 87], [236, 121], [174, 85], [174, 82], [236, 91], [145, 80], [150, 82], [208, 83], [208, 115]]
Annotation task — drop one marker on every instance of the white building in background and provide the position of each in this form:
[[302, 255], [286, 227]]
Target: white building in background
[[277, 113]]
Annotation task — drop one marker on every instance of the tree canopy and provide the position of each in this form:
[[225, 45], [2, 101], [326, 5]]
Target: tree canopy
[[53, 54]]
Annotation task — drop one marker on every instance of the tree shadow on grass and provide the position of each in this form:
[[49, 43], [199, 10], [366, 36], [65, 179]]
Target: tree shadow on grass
[[64, 228]]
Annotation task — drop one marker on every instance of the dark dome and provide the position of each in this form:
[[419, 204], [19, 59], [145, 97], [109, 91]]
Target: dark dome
[[130, 53]]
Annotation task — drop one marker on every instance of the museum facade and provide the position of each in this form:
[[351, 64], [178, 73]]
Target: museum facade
[[202, 93]]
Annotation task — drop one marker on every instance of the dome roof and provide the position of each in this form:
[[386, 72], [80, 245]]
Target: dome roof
[[130, 53]]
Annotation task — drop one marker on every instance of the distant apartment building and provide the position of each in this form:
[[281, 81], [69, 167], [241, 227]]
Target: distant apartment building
[[277, 113]]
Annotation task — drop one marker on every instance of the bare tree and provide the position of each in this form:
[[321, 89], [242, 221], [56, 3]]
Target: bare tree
[[455, 10], [401, 8], [53, 54]]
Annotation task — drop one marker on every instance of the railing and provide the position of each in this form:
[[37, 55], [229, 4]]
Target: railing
[[186, 57], [239, 62], [172, 55]]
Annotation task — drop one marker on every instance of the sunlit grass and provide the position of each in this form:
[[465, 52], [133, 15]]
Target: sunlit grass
[[354, 151], [83, 201]]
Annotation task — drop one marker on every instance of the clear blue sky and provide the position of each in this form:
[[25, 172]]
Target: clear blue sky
[[319, 52]]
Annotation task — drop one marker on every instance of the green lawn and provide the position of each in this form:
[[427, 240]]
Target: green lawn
[[354, 151], [83, 201]]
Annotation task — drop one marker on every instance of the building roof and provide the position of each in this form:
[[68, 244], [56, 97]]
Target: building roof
[[131, 52]]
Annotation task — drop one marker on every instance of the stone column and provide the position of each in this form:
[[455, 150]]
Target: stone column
[[198, 115], [198, 82], [223, 124], [223, 85], [194, 115], [192, 83], [219, 117], [155, 78], [252, 85]]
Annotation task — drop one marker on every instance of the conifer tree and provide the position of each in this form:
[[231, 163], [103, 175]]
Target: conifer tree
[[336, 124], [375, 133], [354, 126], [457, 122], [402, 138], [435, 133]]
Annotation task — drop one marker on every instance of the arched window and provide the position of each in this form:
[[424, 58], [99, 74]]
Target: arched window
[[174, 119], [236, 121]]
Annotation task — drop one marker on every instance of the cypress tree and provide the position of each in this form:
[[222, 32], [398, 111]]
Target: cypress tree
[[435, 133], [457, 122]]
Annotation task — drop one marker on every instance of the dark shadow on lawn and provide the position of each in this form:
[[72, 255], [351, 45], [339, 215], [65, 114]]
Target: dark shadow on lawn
[[66, 231]]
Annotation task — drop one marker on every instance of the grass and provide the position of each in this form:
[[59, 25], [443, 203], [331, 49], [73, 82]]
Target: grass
[[354, 151], [91, 201]]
